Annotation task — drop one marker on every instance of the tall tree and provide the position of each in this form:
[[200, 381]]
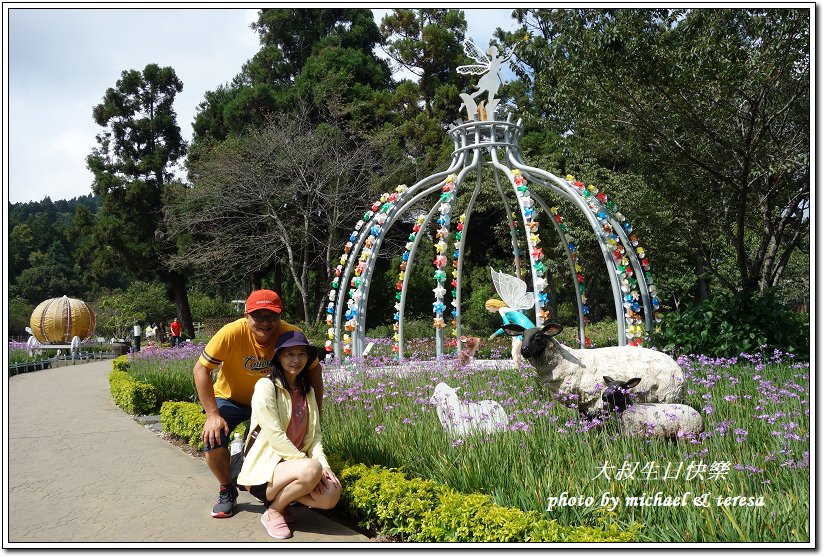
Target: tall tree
[[282, 196], [42, 234], [50, 274], [711, 107], [297, 32], [337, 45], [21, 244], [132, 165], [427, 44]]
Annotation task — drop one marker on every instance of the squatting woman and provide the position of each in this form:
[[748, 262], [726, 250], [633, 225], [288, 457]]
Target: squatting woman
[[285, 462]]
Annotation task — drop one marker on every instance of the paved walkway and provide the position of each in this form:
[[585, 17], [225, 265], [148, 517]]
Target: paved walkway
[[81, 471]]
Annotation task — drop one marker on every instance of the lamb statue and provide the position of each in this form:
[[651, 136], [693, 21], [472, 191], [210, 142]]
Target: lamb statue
[[460, 419], [579, 373], [670, 421]]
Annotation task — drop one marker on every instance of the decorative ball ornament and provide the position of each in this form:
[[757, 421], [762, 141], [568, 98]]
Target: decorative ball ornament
[[58, 320]]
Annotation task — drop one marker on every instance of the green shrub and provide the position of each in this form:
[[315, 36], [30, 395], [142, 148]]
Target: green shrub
[[316, 333], [414, 509], [727, 325], [415, 328], [185, 420], [203, 306], [604, 333], [601, 334], [19, 312], [385, 501], [19, 355], [131, 395], [473, 518], [212, 325], [121, 363]]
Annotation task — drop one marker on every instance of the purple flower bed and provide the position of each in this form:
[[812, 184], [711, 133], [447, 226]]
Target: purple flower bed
[[756, 439], [185, 351]]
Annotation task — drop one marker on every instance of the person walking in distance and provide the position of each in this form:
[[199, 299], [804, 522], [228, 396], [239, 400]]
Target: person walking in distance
[[243, 351], [175, 327]]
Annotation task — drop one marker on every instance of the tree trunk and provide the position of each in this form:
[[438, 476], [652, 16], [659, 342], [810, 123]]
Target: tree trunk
[[702, 289], [321, 284], [257, 279], [184, 313], [277, 279]]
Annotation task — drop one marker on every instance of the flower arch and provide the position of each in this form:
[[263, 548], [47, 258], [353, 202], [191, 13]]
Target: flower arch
[[485, 142]]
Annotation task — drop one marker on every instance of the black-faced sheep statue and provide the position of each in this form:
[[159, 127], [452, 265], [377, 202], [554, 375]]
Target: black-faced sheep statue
[[566, 371]]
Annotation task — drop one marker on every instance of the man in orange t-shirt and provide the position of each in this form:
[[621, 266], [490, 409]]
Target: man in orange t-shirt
[[244, 350]]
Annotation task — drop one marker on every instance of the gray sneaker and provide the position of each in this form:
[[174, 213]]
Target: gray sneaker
[[225, 502]]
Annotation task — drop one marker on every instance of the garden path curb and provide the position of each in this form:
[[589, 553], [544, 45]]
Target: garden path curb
[[82, 472]]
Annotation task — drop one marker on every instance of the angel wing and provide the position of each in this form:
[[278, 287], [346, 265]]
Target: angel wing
[[512, 290], [475, 53], [473, 69]]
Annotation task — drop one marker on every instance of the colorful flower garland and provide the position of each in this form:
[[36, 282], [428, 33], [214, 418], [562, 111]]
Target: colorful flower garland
[[377, 215], [441, 245], [536, 253], [456, 260], [633, 310]]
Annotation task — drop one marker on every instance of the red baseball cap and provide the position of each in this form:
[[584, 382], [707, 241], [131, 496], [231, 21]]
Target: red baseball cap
[[263, 299]]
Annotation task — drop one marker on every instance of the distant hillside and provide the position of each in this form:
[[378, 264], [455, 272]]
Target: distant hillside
[[43, 239], [20, 213]]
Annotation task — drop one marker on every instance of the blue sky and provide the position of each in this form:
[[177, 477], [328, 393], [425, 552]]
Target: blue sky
[[62, 60]]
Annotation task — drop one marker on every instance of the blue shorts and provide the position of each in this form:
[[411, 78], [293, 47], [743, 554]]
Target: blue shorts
[[234, 414]]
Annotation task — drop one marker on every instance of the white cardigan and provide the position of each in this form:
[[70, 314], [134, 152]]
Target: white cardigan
[[272, 410]]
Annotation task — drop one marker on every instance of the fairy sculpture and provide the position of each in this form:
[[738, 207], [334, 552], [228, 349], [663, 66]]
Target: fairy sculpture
[[489, 68], [514, 298]]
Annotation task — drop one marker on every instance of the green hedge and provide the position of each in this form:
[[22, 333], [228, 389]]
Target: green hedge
[[185, 420], [418, 510], [121, 363], [131, 395], [729, 324]]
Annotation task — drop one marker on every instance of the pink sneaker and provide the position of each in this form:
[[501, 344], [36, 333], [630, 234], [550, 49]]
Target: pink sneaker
[[275, 527]]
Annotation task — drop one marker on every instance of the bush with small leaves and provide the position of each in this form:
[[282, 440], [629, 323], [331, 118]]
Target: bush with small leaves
[[131, 395]]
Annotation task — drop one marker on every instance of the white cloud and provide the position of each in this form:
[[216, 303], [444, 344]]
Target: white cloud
[[62, 60], [73, 143]]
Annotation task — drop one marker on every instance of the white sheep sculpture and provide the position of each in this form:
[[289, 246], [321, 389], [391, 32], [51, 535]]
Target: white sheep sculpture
[[566, 372], [461, 419], [670, 421]]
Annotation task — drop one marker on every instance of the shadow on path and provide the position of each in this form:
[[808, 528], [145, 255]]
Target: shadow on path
[[81, 471]]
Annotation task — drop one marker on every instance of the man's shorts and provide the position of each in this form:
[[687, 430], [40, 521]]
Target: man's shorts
[[234, 414]]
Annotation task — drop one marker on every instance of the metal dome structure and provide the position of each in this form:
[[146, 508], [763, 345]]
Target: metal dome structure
[[485, 141]]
